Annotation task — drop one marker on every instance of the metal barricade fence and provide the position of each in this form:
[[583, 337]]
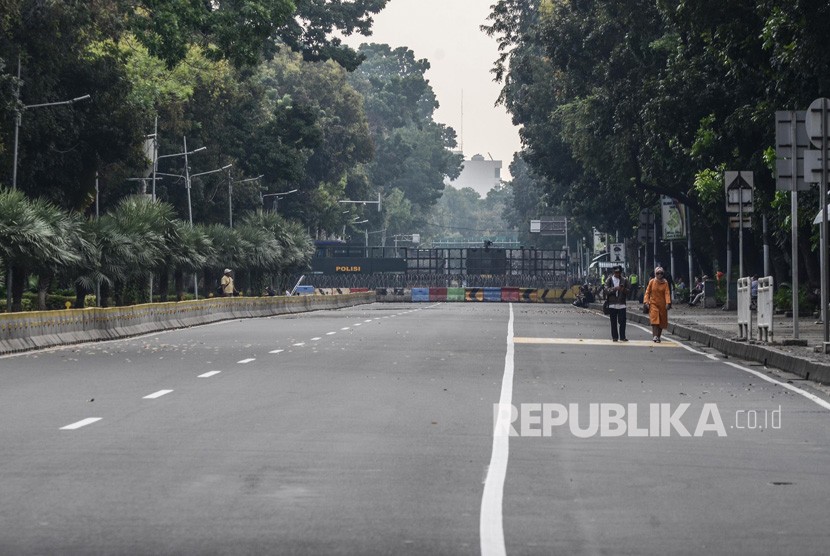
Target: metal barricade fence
[[744, 309], [765, 308]]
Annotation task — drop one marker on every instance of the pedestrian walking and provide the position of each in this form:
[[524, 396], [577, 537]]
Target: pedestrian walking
[[226, 283], [616, 292], [658, 300]]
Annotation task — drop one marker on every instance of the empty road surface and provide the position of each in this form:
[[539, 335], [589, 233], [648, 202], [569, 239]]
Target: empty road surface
[[409, 429]]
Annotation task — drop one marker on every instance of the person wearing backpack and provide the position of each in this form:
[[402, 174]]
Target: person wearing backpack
[[616, 292]]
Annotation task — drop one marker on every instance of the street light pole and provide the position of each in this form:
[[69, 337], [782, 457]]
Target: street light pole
[[18, 120], [230, 195]]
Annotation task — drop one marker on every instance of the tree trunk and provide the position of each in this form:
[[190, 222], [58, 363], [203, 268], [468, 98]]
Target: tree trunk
[[178, 277], [811, 262], [44, 281], [164, 283], [105, 294], [20, 279], [80, 297]]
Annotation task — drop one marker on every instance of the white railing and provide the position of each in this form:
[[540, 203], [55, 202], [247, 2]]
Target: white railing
[[744, 309], [765, 308]]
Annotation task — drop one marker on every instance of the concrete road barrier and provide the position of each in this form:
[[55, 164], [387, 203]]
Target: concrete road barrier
[[40, 329]]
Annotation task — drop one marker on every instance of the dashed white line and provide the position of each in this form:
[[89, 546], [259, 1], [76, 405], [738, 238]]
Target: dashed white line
[[246, 361], [369, 320], [316, 339], [209, 374], [277, 351], [79, 424], [299, 344], [345, 328], [158, 394], [357, 324], [330, 333]]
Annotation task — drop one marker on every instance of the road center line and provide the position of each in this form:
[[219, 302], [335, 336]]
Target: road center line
[[79, 424], [330, 333], [209, 374], [246, 361], [491, 522], [277, 351], [158, 394]]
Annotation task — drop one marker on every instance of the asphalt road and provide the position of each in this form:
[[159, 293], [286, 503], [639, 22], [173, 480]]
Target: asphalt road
[[370, 430]]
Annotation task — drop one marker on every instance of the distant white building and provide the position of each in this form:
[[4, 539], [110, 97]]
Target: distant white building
[[479, 174]]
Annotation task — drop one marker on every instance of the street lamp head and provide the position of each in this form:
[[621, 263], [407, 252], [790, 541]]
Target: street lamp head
[[200, 149], [85, 97], [226, 167]]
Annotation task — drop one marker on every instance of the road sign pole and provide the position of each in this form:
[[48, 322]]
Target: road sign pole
[[741, 231], [794, 222], [823, 190], [689, 248], [728, 264]]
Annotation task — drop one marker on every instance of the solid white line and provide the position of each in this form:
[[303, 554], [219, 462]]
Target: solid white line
[[277, 351], [79, 424], [209, 374], [812, 397], [158, 394], [491, 526], [246, 361]]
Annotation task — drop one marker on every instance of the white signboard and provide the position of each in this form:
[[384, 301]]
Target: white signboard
[[617, 253]]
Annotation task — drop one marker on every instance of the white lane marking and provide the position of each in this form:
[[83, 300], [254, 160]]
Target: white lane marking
[[246, 361], [330, 333], [158, 394], [81, 423], [316, 339], [368, 320], [209, 374], [491, 526], [277, 351], [357, 324], [299, 344], [345, 328], [377, 318], [809, 396]]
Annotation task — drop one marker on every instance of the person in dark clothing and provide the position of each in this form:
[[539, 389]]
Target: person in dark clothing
[[616, 292]]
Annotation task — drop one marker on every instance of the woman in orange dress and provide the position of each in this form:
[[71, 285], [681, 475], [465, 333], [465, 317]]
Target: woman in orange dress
[[658, 300]]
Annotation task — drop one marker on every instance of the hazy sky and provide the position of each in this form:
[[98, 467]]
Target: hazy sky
[[446, 32]]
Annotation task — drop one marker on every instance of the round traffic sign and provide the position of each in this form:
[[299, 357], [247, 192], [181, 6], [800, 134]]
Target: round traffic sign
[[815, 131]]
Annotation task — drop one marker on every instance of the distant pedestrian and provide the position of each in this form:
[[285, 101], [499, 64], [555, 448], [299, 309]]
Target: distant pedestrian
[[226, 283], [616, 292], [658, 300]]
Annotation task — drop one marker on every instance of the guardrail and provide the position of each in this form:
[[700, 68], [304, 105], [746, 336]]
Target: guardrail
[[35, 330]]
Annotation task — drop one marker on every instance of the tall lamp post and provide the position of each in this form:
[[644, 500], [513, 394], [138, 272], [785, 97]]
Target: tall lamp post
[[230, 194], [277, 197], [18, 120], [188, 178]]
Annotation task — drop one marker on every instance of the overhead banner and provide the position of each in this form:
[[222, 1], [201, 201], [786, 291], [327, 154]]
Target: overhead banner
[[674, 219], [600, 242]]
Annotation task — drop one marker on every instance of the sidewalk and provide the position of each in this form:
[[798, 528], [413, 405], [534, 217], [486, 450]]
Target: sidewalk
[[718, 329]]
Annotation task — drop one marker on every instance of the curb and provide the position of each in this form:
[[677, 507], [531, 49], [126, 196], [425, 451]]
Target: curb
[[805, 368]]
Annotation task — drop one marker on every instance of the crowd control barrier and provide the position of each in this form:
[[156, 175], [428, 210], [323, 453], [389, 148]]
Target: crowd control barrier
[[486, 294], [40, 329], [765, 307], [744, 308]]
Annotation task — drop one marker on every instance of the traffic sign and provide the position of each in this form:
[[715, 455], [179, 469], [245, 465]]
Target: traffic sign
[[733, 222], [791, 141], [617, 253], [815, 130], [739, 187]]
